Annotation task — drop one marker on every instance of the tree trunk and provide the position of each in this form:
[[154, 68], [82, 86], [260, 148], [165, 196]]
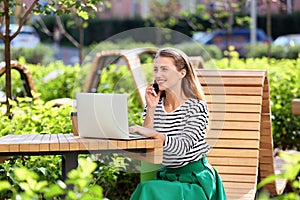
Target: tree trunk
[[269, 29], [8, 86], [81, 44]]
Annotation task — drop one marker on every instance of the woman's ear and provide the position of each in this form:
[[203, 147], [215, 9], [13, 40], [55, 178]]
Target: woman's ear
[[183, 73]]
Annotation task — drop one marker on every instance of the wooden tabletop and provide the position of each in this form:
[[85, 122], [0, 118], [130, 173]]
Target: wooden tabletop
[[61, 143]]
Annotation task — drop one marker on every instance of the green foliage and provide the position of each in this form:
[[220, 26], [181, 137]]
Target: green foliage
[[291, 174], [41, 54], [207, 52], [284, 86], [28, 185], [56, 80], [277, 52], [35, 117]]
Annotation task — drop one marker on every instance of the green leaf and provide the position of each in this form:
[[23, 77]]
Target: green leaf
[[84, 15], [54, 190], [5, 185]]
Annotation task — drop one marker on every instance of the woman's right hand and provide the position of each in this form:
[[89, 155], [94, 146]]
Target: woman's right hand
[[151, 97]]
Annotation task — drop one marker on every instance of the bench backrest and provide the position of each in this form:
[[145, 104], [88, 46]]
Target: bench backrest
[[240, 129], [25, 75]]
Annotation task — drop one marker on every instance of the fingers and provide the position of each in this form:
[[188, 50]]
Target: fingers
[[150, 90], [133, 129]]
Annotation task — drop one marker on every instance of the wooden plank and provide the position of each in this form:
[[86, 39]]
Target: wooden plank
[[233, 161], [233, 134], [103, 144], [25, 142], [13, 143], [241, 196], [132, 144], [235, 116], [7, 141], [238, 185], [231, 125], [83, 144], [112, 144], [234, 99], [45, 142], [233, 153], [140, 143], [35, 143], [122, 144], [73, 142], [226, 107], [236, 90], [54, 145], [231, 143], [296, 106], [230, 72], [63, 142], [241, 81], [231, 192], [236, 169], [239, 178]]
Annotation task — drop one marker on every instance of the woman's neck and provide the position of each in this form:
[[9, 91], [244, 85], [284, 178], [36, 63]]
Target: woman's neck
[[173, 101]]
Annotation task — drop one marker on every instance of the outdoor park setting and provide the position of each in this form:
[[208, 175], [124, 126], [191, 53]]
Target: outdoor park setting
[[245, 55]]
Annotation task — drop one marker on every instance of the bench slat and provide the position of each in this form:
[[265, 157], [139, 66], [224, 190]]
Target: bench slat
[[231, 125], [241, 81], [236, 169], [234, 161], [233, 134], [231, 107], [233, 153], [226, 143], [234, 99], [235, 116], [229, 90]]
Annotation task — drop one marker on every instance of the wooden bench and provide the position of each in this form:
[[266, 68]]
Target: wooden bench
[[296, 106], [240, 130], [25, 75]]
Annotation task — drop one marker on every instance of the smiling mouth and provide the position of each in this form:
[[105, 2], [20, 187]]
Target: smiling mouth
[[160, 81]]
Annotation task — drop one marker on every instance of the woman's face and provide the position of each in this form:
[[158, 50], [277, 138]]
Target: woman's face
[[166, 74]]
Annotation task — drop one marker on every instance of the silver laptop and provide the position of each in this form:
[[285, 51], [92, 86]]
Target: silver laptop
[[102, 115]]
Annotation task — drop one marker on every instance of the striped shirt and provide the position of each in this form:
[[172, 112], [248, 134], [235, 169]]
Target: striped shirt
[[184, 129]]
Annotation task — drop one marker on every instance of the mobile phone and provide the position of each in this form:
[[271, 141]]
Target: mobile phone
[[156, 88]]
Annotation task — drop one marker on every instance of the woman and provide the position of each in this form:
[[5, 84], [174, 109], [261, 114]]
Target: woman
[[177, 114]]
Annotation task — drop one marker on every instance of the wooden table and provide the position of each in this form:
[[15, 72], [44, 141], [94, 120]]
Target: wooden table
[[70, 146], [296, 106]]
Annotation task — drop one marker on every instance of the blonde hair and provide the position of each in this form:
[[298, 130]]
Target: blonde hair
[[190, 84]]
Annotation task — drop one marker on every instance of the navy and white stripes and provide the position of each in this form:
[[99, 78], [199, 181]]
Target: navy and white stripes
[[185, 129]]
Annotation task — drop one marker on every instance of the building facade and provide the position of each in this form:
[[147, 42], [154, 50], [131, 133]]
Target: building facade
[[141, 8]]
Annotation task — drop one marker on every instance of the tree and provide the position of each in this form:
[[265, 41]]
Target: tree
[[78, 17], [81, 8], [164, 14]]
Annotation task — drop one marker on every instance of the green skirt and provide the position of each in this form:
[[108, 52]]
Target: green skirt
[[197, 180]]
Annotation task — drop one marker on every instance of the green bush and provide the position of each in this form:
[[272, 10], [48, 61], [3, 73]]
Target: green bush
[[27, 184], [291, 174], [195, 49], [42, 54], [277, 52]]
